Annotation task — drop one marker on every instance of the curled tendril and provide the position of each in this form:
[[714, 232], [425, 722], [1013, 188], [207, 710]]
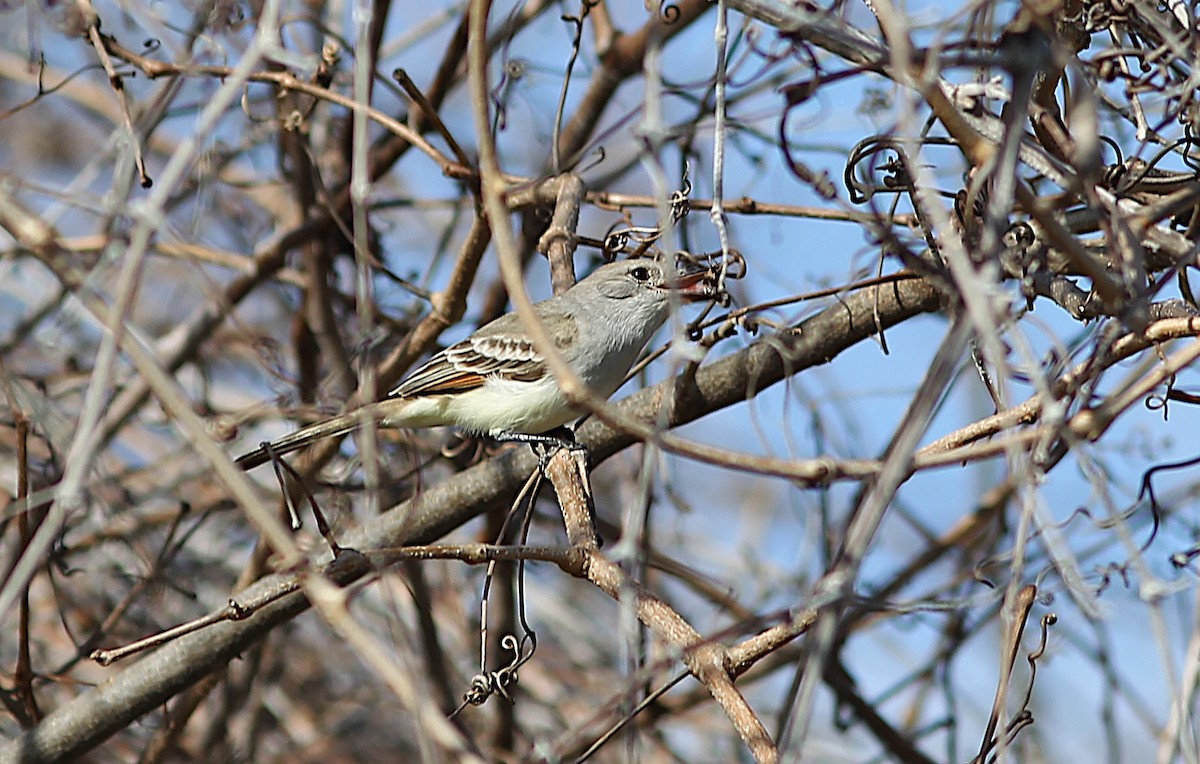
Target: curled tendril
[[1102, 523], [1112, 176], [636, 240], [896, 177], [488, 683], [1047, 621], [1127, 176], [668, 12], [1020, 236], [733, 264], [1154, 401], [619, 240], [1020, 239], [961, 198], [614, 242], [861, 168]]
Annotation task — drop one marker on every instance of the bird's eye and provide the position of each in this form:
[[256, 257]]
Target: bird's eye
[[640, 273]]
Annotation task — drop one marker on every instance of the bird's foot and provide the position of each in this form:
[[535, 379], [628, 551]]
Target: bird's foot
[[544, 445]]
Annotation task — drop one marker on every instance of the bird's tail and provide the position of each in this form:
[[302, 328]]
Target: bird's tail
[[294, 441]]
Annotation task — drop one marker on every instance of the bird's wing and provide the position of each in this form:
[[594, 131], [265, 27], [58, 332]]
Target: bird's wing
[[469, 363]]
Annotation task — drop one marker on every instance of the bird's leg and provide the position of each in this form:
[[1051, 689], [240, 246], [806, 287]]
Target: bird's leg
[[544, 445], [560, 437]]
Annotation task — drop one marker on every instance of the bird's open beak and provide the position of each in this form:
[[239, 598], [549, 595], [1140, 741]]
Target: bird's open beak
[[695, 285]]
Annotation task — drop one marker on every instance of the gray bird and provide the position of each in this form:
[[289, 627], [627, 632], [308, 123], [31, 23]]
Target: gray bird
[[495, 382]]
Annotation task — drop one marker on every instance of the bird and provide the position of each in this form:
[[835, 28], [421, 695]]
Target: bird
[[496, 382]]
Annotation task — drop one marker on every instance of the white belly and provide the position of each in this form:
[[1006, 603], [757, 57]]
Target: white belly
[[529, 407]]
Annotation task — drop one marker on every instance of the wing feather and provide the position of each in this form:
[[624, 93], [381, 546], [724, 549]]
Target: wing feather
[[468, 364]]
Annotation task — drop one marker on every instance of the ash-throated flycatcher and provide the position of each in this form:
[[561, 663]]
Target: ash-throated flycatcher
[[495, 382]]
